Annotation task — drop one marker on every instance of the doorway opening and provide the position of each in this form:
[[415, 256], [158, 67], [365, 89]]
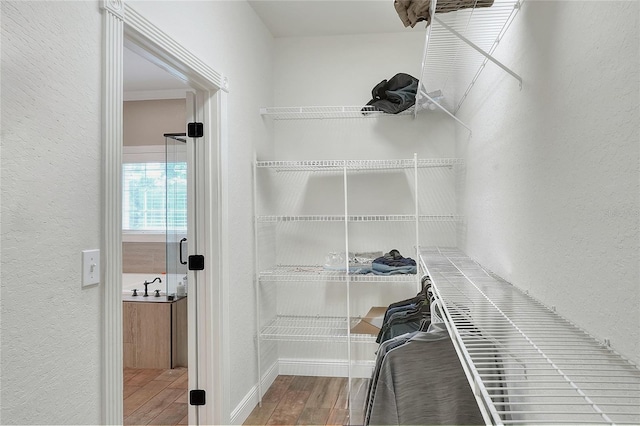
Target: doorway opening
[[154, 226], [207, 311]]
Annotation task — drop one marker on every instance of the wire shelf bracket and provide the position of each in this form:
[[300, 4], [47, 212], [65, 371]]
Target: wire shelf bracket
[[479, 50], [478, 30]]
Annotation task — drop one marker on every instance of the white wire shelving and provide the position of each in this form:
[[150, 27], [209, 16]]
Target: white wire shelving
[[360, 218], [279, 240], [526, 363], [326, 112], [315, 273], [313, 329], [458, 45], [354, 165]]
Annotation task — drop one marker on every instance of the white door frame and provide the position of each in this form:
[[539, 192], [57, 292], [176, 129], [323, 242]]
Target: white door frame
[[120, 23]]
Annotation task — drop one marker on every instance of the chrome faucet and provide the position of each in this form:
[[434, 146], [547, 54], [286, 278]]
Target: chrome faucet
[[146, 283]]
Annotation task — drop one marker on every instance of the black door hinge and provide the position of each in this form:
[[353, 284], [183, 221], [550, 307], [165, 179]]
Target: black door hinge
[[197, 397], [195, 130], [196, 262]]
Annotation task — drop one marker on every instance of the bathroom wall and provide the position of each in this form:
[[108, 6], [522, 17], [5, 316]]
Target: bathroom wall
[[552, 194], [144, 122], [51, 194], [143, 257]]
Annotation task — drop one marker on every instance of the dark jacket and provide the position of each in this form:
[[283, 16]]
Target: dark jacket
[[394, 95]]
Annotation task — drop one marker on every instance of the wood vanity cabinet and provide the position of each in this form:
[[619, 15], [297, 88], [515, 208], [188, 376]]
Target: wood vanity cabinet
[[155, 333]]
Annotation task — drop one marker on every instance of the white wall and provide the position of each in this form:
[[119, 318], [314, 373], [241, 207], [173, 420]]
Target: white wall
[[51, 71], [342, 70], [552, 194], [229, 37], [51, 109]]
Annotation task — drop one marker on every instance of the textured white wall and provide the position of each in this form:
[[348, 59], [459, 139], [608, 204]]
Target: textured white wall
[[50, 212], [229, 37], [552, 194]]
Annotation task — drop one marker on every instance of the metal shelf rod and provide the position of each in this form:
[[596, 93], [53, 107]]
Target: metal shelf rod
[[527, 395], [578, 404], [577, 422], [581, 368], [549, 412], [528, 374], [492, 358], [514, 344], [510, 339], [501, 389], [563, 381]]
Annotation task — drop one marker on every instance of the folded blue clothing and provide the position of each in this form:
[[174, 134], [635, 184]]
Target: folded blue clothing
[[382, 269]]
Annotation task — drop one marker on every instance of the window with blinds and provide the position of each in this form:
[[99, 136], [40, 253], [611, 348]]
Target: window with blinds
[[154, 197]]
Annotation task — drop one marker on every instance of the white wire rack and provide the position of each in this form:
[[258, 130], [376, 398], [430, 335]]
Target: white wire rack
[[326, 112], [527, 364], [359, 218], [338, 165], [462, 41], [313, 273], [313, 329]]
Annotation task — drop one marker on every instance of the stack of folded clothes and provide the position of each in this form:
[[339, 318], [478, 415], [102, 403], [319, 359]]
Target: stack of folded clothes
[[393, 263]]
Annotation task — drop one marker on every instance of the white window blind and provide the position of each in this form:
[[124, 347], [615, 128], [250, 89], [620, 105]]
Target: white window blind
[[154, 197]]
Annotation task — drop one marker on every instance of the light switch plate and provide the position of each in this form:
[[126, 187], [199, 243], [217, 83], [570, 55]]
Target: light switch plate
[[90, 267]]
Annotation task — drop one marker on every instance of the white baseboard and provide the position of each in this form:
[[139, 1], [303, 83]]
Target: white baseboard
[[249, 402], [325, 367]]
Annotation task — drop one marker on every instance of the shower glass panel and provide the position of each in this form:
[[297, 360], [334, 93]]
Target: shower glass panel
[[176, 210]]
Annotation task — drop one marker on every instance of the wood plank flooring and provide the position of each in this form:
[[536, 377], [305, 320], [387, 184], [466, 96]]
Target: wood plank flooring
[[303, 400], [155, 397]]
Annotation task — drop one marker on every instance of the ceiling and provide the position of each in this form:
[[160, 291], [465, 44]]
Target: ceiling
[[141, 75], [283, 18], [301, 18]]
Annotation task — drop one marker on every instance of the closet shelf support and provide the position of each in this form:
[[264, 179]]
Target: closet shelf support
[[479, 50], [426, 95]]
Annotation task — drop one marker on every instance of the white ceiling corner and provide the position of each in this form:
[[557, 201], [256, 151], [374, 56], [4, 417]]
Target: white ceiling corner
[[143, 79], [308, 18]]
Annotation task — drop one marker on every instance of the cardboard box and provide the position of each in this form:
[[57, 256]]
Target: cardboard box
[[371, 322]]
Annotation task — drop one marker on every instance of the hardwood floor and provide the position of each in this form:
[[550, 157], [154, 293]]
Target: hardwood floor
[[304, 400], [155, 397]]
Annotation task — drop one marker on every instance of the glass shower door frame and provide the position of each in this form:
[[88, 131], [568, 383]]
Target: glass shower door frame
[[176, 166]]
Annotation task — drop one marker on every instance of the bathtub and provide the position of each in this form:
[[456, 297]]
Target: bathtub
[[167, 286]]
